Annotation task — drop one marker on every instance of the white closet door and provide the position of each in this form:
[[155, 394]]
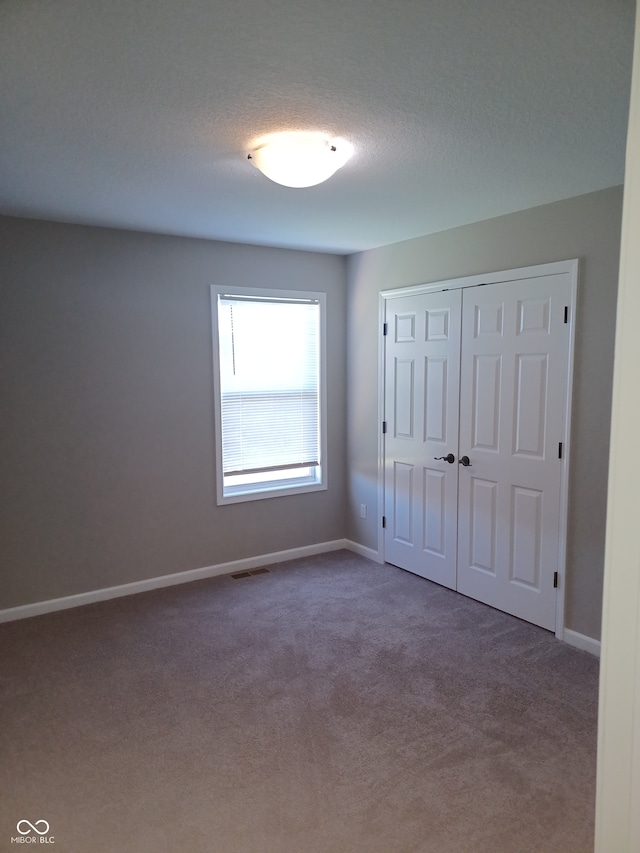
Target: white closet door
[[422, 368], [513, 387]]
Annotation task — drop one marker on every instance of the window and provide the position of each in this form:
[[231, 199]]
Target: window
[[268, 359]]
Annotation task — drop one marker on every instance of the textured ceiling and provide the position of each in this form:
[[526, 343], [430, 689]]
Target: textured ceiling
[[140, 114]]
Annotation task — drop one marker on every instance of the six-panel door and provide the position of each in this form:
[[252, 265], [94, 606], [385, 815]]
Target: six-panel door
[[421, 413], [512, 411]]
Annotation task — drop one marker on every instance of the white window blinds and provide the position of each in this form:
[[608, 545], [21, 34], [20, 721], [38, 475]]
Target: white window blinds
[[269, 353]]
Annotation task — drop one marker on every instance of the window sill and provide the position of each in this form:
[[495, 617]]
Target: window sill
[[268, 491]]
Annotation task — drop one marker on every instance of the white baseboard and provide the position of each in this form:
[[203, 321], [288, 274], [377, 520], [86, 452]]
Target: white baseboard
[[573, 638], [363, 551], [69, 601], [581, 641]]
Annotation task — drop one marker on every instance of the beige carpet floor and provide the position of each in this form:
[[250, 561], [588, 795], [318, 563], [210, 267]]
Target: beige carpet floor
[[330, 705]]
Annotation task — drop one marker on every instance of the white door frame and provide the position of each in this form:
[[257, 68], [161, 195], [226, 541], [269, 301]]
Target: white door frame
[[503, 276], [618, 779]]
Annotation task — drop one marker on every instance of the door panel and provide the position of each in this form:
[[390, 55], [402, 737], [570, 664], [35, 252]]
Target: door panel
[[404, 398], [530, 404], [483, 532], [422, 370], [485, 413], [434, 512], [435, 395], [402, 514], [526, 537]]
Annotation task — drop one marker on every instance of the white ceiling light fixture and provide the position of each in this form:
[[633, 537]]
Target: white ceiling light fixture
[[300, 159]]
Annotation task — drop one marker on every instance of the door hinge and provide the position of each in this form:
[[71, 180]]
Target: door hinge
[[384, 520], [385, 328], [555, 580], [559, 450], [566, 313], [384, 426]]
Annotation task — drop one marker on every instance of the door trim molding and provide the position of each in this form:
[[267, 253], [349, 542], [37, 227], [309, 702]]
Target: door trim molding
[[499, 277]]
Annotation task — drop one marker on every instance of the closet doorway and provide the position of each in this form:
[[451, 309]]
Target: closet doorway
[[476, 384]]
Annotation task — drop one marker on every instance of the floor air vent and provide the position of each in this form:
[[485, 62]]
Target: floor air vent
[[248, 574]]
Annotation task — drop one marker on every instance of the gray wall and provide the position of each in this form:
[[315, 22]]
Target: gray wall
[[588, 228], [106, 420], [106, 410]]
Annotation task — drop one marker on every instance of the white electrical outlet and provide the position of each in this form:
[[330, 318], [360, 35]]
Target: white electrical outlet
[[363, 510]]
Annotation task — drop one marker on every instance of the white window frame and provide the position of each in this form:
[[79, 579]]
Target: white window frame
[[311, 482]]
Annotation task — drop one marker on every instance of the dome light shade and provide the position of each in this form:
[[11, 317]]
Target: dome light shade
[[300, 159]]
